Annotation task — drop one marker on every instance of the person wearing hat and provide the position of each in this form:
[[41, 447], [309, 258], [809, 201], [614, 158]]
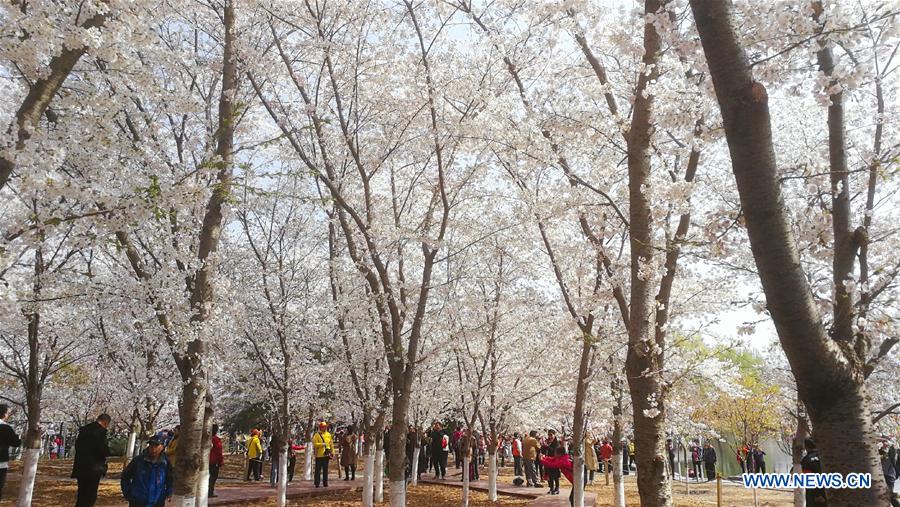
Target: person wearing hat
[[323, 446], [148, 480], [254, 455]]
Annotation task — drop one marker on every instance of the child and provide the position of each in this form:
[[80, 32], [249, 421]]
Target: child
[[560, 463]]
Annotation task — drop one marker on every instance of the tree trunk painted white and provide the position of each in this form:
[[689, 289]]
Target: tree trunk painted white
[[414, 475], [369, 478], [379, 475], [398, 493], [129, 449], [465, 474], [184, 501], [29, 471], [618, 483], [578, 480], [492, 477], [202, 493], [308, 470], [282, 477]]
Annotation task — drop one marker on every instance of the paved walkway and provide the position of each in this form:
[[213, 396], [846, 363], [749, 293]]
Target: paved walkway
[[237, 492], [539, 495]]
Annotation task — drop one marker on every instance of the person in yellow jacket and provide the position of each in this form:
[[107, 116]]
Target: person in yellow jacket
[[254, 455], [323, 446], [172, 448]]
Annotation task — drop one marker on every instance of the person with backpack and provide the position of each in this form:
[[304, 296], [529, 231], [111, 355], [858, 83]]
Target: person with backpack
[[323, 446], [148, 480], [696, 458]]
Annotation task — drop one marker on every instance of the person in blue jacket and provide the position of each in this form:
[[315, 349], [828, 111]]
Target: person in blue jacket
[[147, 481]]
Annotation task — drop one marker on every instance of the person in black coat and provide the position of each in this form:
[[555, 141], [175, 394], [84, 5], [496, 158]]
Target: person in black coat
[[91, 451], [709, 461], [812, 464], [8, 438]]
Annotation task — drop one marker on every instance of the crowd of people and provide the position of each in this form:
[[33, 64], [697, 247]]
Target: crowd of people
[[536, 458]]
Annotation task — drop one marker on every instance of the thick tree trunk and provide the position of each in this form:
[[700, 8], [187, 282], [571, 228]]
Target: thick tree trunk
[[188, 459], [397, 458], [650, 439], [829, 379]]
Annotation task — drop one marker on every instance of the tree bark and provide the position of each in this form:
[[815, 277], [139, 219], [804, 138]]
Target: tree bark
[[644, 362], [829, 383], [379, 471], [578, 423], [618, 434], [40, 94], [33, 388], [195, 387], [797, 449], [368, 473], [465, 478]]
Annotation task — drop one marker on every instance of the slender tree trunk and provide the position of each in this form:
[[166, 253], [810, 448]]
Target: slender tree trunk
[[132, 439], [578, 423], [31, 448], [202, 493], [797, 449], [414, 466], [379, 471], [830, 380], [644, 362], [618, 434], [465, 479], [492, 476], [282, 473], [368, 472]]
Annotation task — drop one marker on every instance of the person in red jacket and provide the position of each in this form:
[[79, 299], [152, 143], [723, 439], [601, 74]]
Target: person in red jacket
[[562, 462], [606, 452], [216, 459]]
